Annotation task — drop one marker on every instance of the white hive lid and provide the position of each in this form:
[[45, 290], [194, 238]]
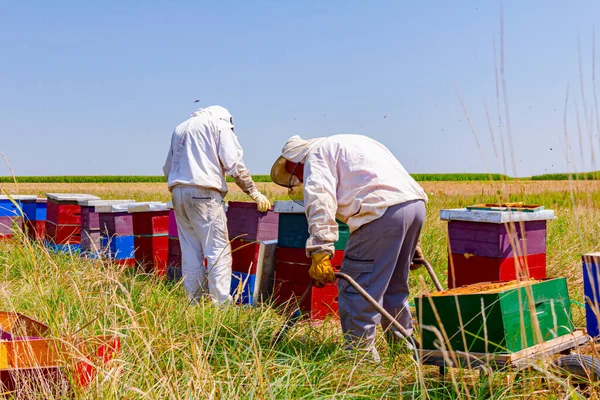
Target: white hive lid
[[71, 196], [113, 208], [170, 205], [494, 217], [92, 202], [288, 207], [145, 207], [18, 197]]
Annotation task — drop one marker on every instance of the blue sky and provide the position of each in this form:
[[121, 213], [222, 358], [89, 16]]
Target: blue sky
[[97, 87]]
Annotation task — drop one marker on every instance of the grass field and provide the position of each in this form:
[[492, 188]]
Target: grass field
[[173, 351]]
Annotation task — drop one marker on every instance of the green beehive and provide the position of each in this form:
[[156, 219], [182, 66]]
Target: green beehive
[[293, 231], [511, 311]]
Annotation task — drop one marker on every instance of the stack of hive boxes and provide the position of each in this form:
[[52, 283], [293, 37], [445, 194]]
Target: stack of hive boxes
[[253, 236], [35, 217], [488, 246], [591, 291], [151, 240], [11, 214], [116, 233], [63, 220], [174, 256], [292, 264], [90, 225]]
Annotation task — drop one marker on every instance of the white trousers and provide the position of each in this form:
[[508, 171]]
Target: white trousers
[[202, 226]]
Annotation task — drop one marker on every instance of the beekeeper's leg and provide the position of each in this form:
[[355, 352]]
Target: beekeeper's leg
[[395, 298], [207, 215], [371, 255], [192, 256]]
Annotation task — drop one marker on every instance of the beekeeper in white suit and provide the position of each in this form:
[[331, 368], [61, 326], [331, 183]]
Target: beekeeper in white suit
[[358, 181], [204, 149]]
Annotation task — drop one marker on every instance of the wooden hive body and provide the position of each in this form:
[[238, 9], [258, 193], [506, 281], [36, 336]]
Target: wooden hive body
[[513, 312]]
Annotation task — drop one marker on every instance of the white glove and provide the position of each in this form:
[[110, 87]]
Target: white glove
[[261, 201]]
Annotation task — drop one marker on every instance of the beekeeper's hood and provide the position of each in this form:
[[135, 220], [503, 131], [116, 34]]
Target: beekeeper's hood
[[295, 150], [217, 112]]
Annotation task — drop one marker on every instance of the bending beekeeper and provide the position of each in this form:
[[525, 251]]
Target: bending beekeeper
[[358, 181], [204, 149]]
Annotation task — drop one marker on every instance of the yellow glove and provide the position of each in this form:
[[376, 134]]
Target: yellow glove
[[261, 201], [321, 270]]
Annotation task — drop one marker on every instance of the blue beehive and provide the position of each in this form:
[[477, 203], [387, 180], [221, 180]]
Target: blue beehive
[[118, 247], [62, 248], [29, 208], [247, 283], [40, 210], [13, 206], [591, 290]]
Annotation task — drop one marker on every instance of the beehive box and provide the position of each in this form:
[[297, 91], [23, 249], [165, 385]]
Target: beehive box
[[90, 218], [18, 326], [291, 279], [149, 218], [291, 263], [63, 219], [293, 226], [152, 253], [173, 232], [35, 220], [83, 355], [591, 292], [486, 246], [253, 270], [12, 206], [118, 247], [10, 225], [244, 221], [174, 256], [150, 235], [512, 313]]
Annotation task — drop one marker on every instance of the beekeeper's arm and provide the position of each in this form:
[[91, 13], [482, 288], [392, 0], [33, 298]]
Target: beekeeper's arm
[[320, 188], [167, 167], [232, 160]]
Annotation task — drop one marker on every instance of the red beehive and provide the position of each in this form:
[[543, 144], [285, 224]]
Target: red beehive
[[152, 252], [151, 223], [245, 256], [63, 234], [63, 217], [292, 278], [35, 229]]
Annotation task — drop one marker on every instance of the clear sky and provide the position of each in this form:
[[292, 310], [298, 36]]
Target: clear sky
[[97, 87]]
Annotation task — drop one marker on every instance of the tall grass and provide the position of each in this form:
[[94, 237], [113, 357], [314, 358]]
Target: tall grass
[[172, 350]]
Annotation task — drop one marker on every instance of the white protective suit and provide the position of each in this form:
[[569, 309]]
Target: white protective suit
[[349, 177], [204, 149]]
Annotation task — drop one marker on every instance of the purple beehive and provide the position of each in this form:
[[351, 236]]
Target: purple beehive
[[244, 221], [9, 224], [172, 225], [496, 240]]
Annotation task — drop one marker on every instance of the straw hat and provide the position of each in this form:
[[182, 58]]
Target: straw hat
[[286, 173]]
